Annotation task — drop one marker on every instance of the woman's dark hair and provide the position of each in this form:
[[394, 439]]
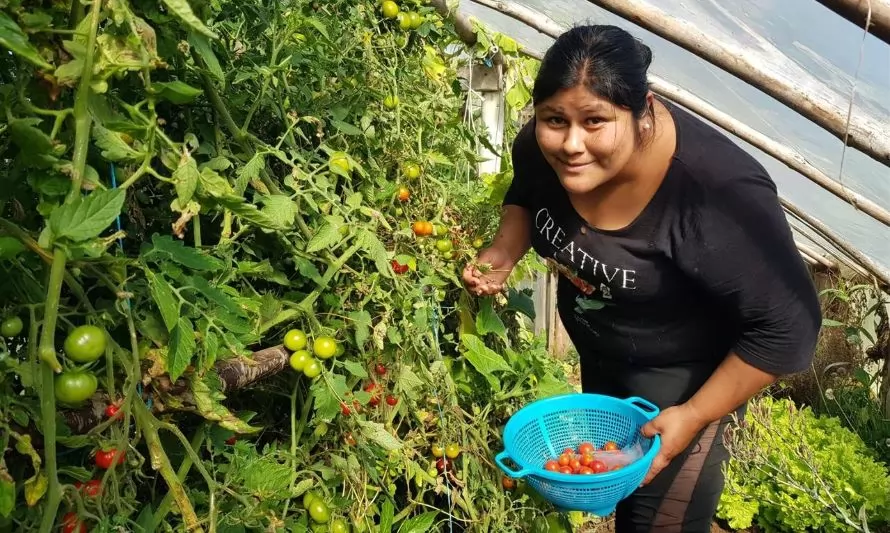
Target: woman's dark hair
[[609, 61]]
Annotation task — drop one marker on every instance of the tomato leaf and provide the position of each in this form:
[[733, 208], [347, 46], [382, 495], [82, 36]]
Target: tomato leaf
[[113, 146], [317, 24], [266, 478], [205, 51], [418, 524], [183, 10], [386, 516], [215, 295], [87, 216], [280, 209], [408, 382], [375, 250], [327, 405], [184, 255], [487, 320], [7, 492], [362, 323], [327, 236], [483, 359], [185, 179], [168, 303], [10, 247], [177, 91], [208, 403], [13, 38], [250, 171], [76, 472], [346, 128], [376, 432], [181, 349], [35, 488], [356, 369], [29, 138], [248, 212], [521, 303]]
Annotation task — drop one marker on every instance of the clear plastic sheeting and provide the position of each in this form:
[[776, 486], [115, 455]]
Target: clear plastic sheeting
[[797, 40]]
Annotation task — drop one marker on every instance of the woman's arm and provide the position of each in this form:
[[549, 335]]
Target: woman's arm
[[510, 244]]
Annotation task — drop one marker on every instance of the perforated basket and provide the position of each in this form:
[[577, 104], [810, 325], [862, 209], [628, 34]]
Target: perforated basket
[[541, 430]]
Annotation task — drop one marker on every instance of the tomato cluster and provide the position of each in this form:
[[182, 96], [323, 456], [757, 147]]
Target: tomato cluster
[[585, 460], [301, 360], [84, 344], [422, 228], [320, 513], [408, 20], [399, 268]]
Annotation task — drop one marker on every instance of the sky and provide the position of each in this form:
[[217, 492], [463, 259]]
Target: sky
[[798, 40]]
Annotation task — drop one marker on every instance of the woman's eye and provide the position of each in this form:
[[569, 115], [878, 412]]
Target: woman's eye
[[556, 121], [594, 120]]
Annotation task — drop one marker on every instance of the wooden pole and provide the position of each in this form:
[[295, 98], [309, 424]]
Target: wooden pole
[[547, 26], [814, 256], [857, 11], [868, 138]]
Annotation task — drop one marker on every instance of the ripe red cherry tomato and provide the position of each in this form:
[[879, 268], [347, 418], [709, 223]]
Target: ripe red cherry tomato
[[391, 400], [72, 524], [610, 446], [380, 369], [585, 448], [598, 466], [106, 458], [112, 410], [93, 487], [552, 466]]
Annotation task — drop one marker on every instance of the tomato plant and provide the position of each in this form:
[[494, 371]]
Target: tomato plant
[[73, 387], [106, 458], [295, 340], [85, 344]]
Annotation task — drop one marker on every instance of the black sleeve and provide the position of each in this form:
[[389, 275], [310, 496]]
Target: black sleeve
[[524, 161], [736, 242]]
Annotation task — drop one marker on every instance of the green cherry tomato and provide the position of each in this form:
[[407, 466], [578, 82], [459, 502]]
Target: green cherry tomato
[[338, 526], [307, 499], [390, 9], [404, 20], [295, 340], [324, 347], [319, 511], [437, 451], [73, 387], [399, 211], [412, 171], [11, 326], [391, 101], [444, 245], [312, 369], [299, 360], [416, 20], [85, 344], [340, 161], [452, 451]]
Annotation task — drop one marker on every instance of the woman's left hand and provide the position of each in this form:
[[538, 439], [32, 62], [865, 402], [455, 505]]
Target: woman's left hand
[[677, 426]]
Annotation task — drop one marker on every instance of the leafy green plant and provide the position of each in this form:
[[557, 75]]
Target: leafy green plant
[[794, 471]]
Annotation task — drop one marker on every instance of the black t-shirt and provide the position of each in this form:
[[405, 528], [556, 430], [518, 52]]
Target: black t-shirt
[[709, 267]]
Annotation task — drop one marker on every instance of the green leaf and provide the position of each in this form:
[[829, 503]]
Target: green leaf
[[827, 322], [487, 320], [208, 403], [327, 236], [483, 359], [205, 51], [375, 250], [250, 171], [113, 146], [184, 255], [326, 403], [318, 26], [386, 516], [376, 432], [346, 128], [266, 478], [183, 10], [356, 369], [362, 323], [87, 216], [13, 38], [248, 212], [181, 349], [550, 386], [521, 303], [10, 247], [408, 382], [76, 472], [215, 295], [35, 488], [176, 91], [211, 349], [186, 178], [28, 137], [7, 491], [281, 209], [164, 297], [419, 524]]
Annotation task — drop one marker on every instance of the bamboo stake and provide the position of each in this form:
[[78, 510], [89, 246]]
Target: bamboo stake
[[856, 11], [547, 26], [869, 139], [814, 256], [790, 157]]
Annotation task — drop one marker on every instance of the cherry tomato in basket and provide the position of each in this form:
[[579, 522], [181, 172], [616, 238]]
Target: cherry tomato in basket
[[586, 470], [568, 451], [575, 465], [586, 459], [508, 483], [617, 467], [566, 470], [552, 466], [598, 466], [565, 459], [585, 448], [610, 446]]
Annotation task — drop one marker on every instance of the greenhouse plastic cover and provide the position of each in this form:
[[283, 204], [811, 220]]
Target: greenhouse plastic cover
[[799, 40]]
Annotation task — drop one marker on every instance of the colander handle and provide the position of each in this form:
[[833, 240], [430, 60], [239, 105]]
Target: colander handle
[[649, 409], [499, 459]]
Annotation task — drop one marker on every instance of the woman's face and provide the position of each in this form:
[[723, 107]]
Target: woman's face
[[585, 138]]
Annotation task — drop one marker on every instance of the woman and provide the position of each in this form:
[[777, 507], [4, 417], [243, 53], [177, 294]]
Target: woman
[[679, 278]]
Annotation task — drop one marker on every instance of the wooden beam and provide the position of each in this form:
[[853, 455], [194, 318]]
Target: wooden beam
[[790, 157], [857, 11], [867, 138], [814, 256]]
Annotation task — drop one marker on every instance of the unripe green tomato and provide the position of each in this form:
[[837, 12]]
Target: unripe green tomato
[[299, 360]]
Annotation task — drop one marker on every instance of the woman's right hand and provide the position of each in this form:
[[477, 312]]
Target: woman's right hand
[[494, 267]]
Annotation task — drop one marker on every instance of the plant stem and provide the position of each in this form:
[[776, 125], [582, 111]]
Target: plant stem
[[329, 274], [184, 468], [160, 461], [83, 119], [47, 396], [197, 229]]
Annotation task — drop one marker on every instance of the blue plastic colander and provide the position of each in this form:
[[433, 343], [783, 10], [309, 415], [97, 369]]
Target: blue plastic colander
[[541, 430]]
